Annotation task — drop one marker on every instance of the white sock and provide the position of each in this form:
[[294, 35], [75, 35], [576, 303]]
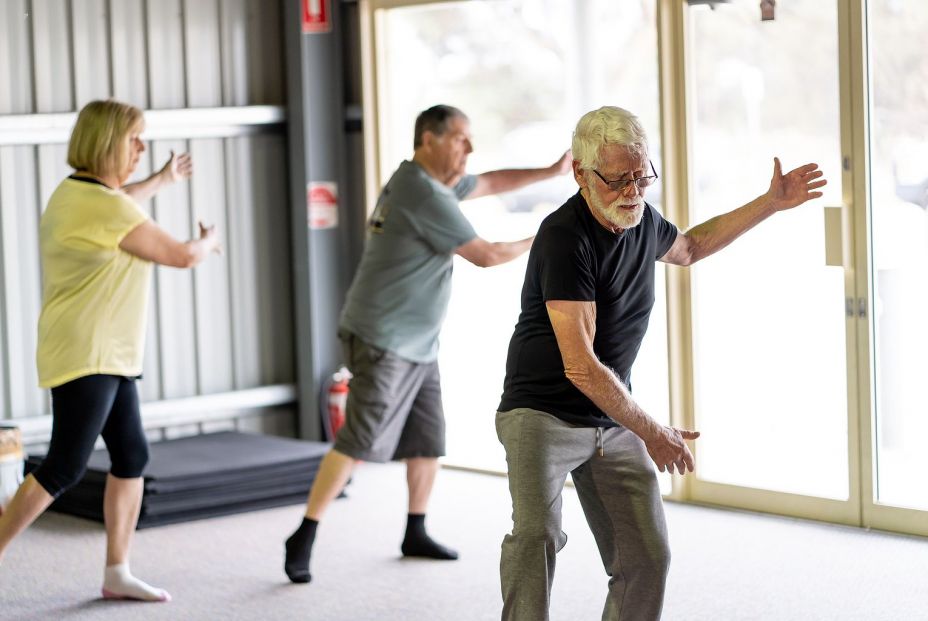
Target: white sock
[[119, 583]]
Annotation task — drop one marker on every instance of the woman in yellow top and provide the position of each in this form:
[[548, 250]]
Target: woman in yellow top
[[97, 249]]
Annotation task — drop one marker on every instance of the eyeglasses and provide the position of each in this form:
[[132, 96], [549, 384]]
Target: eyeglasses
[[620, 185]]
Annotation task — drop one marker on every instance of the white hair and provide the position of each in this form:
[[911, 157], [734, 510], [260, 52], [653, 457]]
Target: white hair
[[608, 125]]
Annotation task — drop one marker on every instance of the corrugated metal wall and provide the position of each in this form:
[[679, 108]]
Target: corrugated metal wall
[[228, 325]]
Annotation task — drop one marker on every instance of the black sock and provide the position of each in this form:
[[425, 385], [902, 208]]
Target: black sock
[[418, 543], [298, 547]]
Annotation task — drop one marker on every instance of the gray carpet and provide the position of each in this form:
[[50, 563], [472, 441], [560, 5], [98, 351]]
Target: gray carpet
[[727, 565]]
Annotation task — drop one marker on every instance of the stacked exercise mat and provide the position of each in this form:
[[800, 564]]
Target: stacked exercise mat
[[205, 476]]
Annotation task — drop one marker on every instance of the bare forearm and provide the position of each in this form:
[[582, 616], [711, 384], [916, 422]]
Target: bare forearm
[[504, 252], [507, 180], [187, 254], [515, 178], [196, 251], [143, 190], [610, 395], [718, 232]]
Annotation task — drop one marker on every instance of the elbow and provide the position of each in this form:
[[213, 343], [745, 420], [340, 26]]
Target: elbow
[[688, 255], [696, 254], [485, 254], [580, 375], [493, 256], [698, 248], [486, 259]]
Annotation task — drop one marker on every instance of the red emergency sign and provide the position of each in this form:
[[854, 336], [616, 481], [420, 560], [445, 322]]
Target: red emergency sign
[[316, 16]]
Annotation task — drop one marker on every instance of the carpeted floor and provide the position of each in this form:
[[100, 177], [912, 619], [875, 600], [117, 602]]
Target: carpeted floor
[[727, 565]]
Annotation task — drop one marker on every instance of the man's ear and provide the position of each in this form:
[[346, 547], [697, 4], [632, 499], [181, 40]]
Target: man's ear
[[429, 138], [579, 177]]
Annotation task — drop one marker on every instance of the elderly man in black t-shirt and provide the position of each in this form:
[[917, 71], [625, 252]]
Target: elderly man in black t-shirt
[[566, 405]]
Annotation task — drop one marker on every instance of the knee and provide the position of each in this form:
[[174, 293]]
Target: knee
[[56, 478], [656, 560], [535, 534], [130, 464]]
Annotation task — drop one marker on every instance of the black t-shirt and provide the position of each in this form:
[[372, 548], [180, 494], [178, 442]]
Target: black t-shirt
[[575, 258]]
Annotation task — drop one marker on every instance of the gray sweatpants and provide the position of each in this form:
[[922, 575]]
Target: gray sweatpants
[[621, 500]]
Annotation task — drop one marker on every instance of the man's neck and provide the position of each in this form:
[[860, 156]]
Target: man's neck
[[423, 163]]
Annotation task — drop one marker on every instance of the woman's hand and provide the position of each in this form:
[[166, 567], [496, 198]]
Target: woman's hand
[[177, 168], [211, 237]]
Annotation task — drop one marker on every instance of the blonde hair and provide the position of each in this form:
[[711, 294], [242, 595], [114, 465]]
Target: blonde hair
[[606, 126], [98, 141]]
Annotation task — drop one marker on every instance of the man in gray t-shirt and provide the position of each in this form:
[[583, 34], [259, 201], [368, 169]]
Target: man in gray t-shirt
[[401, 289], [392, 316]]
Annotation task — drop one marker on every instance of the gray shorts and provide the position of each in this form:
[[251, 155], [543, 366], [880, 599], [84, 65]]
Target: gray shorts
[[394, 406]]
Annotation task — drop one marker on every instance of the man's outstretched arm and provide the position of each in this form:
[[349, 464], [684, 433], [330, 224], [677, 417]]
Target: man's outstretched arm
[[785, 192], [509, 179]]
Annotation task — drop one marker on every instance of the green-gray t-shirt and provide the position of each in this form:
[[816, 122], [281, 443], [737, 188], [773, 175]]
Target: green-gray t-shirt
[[400, 292]]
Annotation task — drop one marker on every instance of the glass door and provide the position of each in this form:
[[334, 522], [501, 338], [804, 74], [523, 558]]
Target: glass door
[[770, 352], [898, 226], [808, 347]]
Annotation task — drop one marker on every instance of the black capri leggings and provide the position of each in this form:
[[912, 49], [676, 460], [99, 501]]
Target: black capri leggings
[[83, 409]]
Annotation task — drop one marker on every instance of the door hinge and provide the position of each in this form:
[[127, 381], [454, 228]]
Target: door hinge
[[855, 307]]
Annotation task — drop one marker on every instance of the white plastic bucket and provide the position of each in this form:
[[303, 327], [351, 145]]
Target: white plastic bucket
[[11, 462]]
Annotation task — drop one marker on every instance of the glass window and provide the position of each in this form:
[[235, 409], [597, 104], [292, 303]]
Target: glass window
[[899, 228], [768, 315]]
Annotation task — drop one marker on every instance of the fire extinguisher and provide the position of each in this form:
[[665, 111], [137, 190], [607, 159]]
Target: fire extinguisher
[[336, 400]]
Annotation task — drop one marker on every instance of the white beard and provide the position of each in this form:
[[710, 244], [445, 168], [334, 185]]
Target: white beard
[[615, 215]]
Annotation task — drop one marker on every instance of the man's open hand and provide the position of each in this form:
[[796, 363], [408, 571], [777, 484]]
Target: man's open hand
[[795, 187]]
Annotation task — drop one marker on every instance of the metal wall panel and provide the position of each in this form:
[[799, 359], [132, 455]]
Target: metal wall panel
[[166, 66], [52, 168], [129, 59], [272, 218], [19, 227], [243, 262], [201, 37], [53, 64], [211, 280], [91, 52], [251, 52], [227, 325], [234, 40], [175, 288], [15, 58], [265, 66]]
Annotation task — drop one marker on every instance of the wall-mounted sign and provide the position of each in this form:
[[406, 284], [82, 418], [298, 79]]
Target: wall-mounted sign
[[316, 16], [322, 204]]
